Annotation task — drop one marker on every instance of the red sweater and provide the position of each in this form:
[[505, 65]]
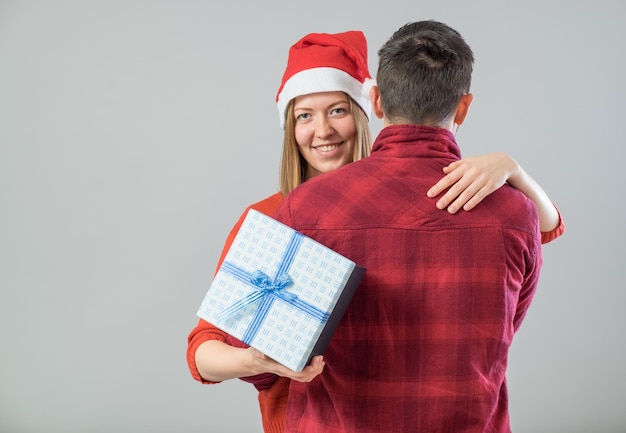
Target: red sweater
[[272, 398]]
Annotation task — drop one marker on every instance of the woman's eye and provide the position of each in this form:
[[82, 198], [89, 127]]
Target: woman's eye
[[303, 116], [338, 110]]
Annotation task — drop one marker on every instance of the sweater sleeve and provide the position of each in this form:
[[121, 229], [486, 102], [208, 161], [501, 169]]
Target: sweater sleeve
[[557, 232], [203, 331]]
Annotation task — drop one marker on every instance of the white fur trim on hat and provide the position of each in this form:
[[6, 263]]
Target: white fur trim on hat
[[324, 80]]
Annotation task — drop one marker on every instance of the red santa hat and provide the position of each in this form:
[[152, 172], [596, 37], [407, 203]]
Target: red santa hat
[[323, 62]]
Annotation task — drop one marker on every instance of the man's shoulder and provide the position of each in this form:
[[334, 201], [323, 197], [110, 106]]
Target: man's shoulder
[[515, 209]]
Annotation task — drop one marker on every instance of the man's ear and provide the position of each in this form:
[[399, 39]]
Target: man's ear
[[376, 105], [463, 108]]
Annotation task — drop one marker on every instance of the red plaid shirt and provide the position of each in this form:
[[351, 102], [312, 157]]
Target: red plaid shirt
[[423, 345]]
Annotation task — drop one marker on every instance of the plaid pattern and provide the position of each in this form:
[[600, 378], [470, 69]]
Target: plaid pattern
[[423, 345]]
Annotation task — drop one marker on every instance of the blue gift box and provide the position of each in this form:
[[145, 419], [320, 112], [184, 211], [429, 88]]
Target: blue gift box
[[280, 291]]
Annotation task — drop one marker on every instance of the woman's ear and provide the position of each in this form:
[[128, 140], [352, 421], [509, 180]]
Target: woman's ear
[[376, 105], [463, 108]]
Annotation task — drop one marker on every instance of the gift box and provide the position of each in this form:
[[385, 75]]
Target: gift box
[[280, 291]]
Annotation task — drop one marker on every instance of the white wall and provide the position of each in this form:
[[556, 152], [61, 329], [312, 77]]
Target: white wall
[[133, 134]]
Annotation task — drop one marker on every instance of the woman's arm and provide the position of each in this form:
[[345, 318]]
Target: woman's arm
[[218, 361], [472, 179]]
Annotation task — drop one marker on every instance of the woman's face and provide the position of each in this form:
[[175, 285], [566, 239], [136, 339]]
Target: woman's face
[[325, 131]]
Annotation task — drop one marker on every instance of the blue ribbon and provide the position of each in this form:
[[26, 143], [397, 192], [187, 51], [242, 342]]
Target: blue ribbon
[[267, 291]]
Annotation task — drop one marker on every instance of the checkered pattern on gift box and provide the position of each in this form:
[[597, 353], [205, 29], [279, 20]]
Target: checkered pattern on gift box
[[276, 290]]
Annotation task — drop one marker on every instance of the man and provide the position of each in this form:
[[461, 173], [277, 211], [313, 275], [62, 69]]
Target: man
[[423, 345]]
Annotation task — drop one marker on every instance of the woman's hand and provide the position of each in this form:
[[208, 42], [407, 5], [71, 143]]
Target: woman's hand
[[218, 361], [307, 374], [471, 179], [267, 364]]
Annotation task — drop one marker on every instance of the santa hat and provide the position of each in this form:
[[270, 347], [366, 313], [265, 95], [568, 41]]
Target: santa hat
[[323, 62]]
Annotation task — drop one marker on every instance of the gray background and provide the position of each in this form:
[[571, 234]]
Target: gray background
[[134, 133]]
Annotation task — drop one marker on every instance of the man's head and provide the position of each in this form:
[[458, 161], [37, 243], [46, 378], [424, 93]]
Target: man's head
[[424, 75]]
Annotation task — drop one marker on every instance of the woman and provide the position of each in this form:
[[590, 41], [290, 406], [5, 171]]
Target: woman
[[324, 107]]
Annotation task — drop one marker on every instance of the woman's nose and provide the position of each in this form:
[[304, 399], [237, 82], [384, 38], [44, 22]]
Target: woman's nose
[[323, 128]]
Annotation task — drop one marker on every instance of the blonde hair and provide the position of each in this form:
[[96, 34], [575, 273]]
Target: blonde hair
[[293, 165]]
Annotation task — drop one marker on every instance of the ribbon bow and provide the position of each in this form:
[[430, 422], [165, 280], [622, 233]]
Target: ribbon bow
[[261, 280], [268, 290]]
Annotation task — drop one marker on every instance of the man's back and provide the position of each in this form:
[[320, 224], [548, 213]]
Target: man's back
[[423, 345]]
